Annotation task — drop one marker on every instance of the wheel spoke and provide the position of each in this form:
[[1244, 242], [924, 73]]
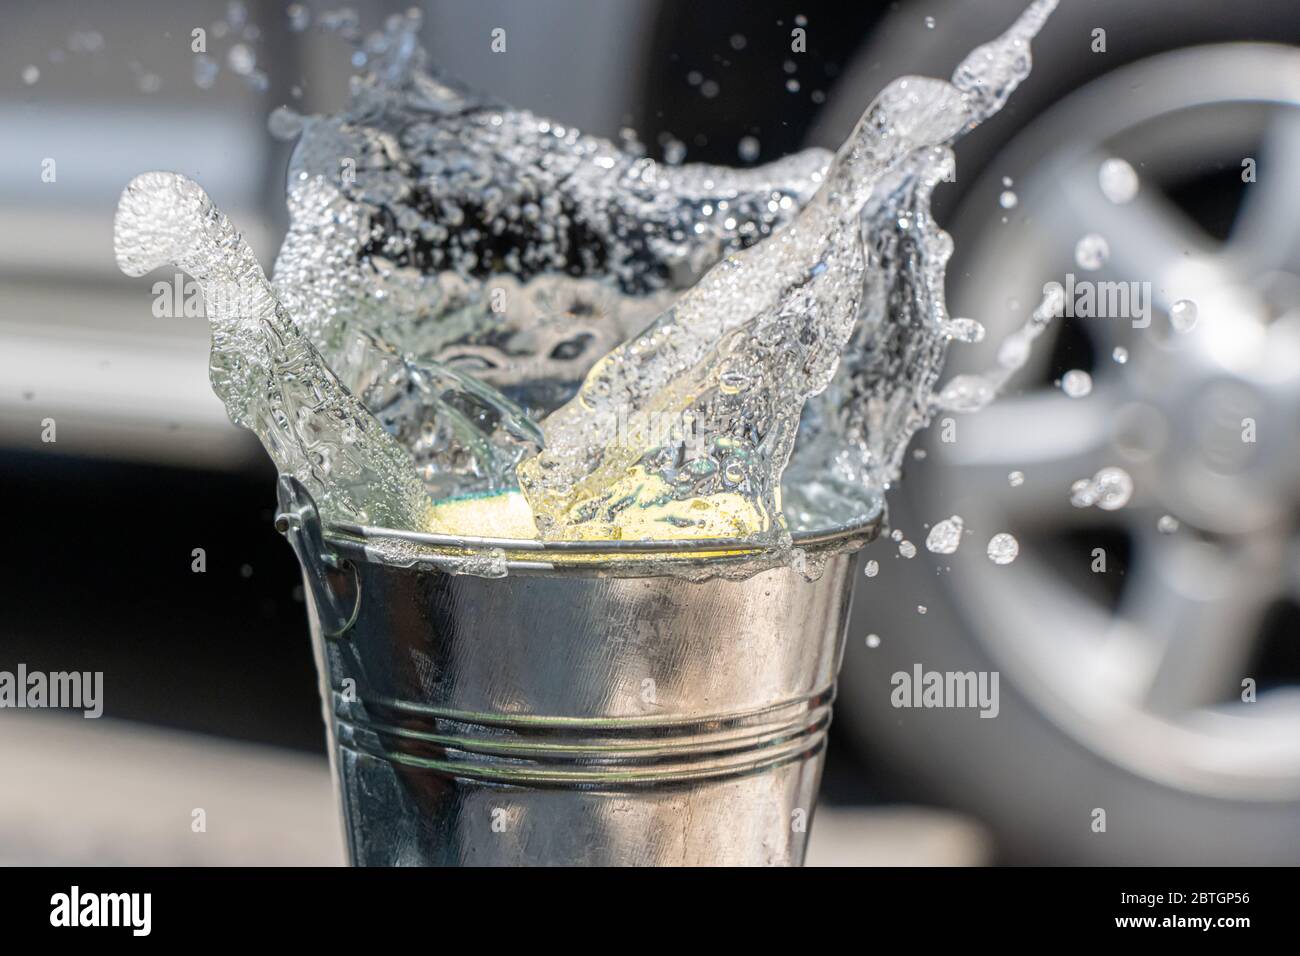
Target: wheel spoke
[[1266, 233], [1151, 240], [1191, 617], [1050, 438]]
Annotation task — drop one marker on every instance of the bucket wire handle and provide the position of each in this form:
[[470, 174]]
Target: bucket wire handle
[[333, 580]]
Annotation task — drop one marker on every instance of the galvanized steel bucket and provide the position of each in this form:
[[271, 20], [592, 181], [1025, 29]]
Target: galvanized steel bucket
[[585, 709]]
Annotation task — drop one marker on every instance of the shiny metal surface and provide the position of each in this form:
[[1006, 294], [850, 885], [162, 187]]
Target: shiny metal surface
[[571, 717]]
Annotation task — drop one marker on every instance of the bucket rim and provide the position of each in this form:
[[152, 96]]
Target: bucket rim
[[533, 550]]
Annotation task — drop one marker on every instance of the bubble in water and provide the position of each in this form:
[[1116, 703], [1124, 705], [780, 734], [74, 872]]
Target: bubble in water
[[1110, 489], [1167, 524], [1091, 252], [1076, 383], [1003, 548], [1016, 479], [1183, 315], [907, 549], [1008, 199], [31, 74], [748, 148], [873, 640], [945, 536], [872, 568], [1118, 180], [1120, 355]]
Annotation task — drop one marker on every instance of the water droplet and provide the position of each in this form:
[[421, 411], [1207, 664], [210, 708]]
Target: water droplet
[[748, 148], [1008, 199], [147, 82], [1183, 315], [1118, 180], [1076, 383], [738, 41], [945, 536], [31, 74], [241, 59], [1016, 479], [205, 71], [965, 330], [896, 535], [1110, 489], [1008, 182], [284, 123], [1003, 548], [1167, 524], [872, 568], [792, 85], [709, 89], [299, 17], [929, 23], [873, 640], [1091, 252], [907, 549], [921, 609], [1120, 355]]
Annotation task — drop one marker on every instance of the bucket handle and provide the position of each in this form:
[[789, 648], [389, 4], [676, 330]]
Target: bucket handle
[[333, 580]]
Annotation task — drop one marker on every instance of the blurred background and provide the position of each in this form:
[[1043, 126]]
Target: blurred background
[[1120, 690]]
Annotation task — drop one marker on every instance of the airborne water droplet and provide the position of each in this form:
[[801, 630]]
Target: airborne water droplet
[[872, 568], [1183, 315], [1003, 548], [1016, 479], [1118, 180], [1110, 489], [945, 536], [1076, 383], [1091, 252]]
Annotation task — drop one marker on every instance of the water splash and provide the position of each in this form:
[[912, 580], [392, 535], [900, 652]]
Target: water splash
[[270, 377], [776, 318], [455, 270]]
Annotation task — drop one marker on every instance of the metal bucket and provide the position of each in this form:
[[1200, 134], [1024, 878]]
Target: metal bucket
[[575, 711]]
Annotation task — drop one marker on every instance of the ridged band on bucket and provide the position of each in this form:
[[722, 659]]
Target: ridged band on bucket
[[595, 752]]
